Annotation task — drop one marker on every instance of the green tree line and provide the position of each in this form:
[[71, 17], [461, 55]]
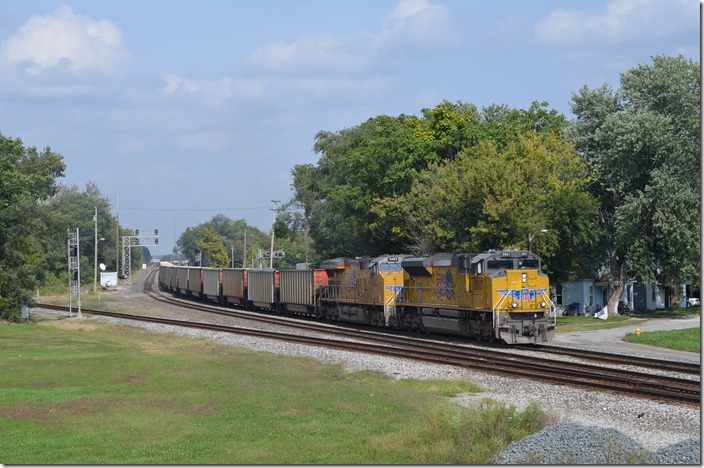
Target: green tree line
[[224, 242]]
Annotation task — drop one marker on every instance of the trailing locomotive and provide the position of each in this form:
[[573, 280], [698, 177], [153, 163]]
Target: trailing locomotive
[[492, 296]]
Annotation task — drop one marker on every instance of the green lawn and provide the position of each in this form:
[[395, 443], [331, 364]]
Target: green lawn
[[567, 324], [688, 339], [81, 392]]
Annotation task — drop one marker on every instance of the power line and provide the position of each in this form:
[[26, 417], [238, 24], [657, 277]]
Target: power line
[[198, 209]]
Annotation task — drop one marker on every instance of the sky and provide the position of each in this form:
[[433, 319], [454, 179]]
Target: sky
[[179, 110]]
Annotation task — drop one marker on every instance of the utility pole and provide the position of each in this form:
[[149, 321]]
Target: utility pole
[[244, 252], [95, 249], [117, 236], [271, 256]]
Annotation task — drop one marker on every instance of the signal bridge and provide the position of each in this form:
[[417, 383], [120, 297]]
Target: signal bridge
[[267, 254], [135, 241]]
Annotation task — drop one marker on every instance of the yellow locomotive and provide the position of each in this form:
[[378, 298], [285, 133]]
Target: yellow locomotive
[[363, 289], [493, 296]]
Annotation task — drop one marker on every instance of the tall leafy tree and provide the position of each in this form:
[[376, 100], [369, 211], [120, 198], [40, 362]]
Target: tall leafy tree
[[212, 249], [380, 157], [642, 142], [489, 198], [351, 197], [71, 209], [231, 235], [27, 179]]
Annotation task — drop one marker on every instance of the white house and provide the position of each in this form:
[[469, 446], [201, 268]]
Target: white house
[[592, 294]]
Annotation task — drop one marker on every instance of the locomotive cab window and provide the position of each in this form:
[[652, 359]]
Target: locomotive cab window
[[528, 264], [499, 264], [390, 267]]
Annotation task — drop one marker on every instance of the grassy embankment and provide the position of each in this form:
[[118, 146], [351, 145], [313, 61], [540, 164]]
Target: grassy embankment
[[80, 392]]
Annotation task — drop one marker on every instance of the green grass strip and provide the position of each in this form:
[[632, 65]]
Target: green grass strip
[[687, 339], [80, 392]]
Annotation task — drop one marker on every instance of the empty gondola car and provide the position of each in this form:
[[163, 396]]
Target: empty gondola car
[[300, 291]]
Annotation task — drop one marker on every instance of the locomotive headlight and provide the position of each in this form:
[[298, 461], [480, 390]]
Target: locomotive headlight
[[514, 305], [542, 304], [524, 277]]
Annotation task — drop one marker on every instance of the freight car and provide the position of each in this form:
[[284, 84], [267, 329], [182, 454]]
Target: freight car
[[493, 296]]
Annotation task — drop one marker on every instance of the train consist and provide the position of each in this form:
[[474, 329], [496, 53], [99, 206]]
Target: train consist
[[492, 296]]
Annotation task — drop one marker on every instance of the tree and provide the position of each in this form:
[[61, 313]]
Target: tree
[[491, 198], [27, 179], [71, 209], [231, 236], [378, 158], [351, 198], [212, 249], [642, 143]]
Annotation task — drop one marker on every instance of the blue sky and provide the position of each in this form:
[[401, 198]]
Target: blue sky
[[183, 109]]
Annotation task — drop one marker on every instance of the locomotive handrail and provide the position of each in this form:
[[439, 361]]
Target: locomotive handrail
[[553, 307], [496, 307], [388, 312]]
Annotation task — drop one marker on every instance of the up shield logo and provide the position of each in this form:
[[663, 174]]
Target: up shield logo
[[523, 295], [527, 295]]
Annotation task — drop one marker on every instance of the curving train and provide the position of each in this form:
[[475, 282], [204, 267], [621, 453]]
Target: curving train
[[493, 296]]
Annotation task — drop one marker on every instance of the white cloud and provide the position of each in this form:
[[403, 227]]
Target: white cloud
[[420, 23], [214, 93], [417, 24], [624, 21], [318, 52], [274, 89], [65, 39]]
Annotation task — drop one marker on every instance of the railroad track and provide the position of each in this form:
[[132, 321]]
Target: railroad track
[[663, 388], [692, 368], [387, 337]]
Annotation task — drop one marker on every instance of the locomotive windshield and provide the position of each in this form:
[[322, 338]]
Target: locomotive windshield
[[507, 260], [499, 264], [528, 264]]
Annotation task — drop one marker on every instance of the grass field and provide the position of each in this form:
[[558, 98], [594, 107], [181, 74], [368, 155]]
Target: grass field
[[81, 392], [688, 339], [567, 324]]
